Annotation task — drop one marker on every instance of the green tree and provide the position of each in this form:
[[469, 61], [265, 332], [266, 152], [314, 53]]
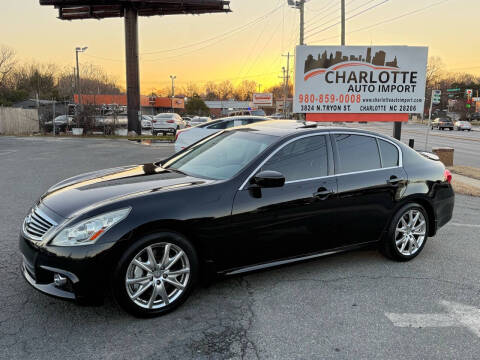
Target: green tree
[[196, 106]]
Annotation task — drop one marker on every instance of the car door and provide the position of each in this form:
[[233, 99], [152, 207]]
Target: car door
[[292, 220], [370, 180]]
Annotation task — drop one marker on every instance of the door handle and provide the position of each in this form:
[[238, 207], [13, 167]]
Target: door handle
[[322, 193], [394, 180]]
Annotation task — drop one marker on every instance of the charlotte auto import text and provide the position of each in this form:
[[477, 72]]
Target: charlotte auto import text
[[364, 81]]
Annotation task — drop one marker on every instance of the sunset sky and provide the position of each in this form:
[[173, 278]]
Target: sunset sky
[[244, 44]]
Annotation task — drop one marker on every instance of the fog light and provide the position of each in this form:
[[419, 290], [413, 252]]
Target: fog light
[[59, 280]]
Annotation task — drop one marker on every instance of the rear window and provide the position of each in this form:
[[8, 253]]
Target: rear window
[[165, 116], [258, 113], [357, 153]]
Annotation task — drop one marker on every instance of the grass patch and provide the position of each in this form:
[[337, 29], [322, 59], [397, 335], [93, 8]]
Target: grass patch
[[468, 171], [465, 189]]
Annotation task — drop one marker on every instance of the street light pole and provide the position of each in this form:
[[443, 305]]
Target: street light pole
[[173, 77], [79, 50]]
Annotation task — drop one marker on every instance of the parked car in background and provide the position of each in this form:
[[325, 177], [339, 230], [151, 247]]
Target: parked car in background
[[167, 123], [257, 112], [475, 116], [61, 123], [246, 199], [197, 120], [463, 125], [146, 122], [187, 137], [442, 123]]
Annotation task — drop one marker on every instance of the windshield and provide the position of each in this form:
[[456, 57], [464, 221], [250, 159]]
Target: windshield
[[222, 156]]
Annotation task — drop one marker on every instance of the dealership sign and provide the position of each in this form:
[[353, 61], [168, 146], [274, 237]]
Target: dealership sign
[[265, 99], [360, 79]]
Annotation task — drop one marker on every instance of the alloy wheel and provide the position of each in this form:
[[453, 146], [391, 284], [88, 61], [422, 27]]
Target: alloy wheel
[[157, 275], [410, 232]]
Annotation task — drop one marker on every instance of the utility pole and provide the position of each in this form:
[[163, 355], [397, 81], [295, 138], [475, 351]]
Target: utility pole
[[284, 96], [173, 77], [132, 65], [259, 87], [300, 5], [287, 77], [343, 22]]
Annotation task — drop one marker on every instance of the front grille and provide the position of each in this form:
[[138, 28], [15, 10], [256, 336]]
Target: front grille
[[37, 224]]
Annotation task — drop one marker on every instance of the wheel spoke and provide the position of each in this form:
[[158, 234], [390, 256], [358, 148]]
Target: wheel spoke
[[153, 297], [179, 272], [151, 258], [166, 255], [422, 223], [404, 223], [142, 265], [405, 241], [138, 280], [163, 294], [414, 242], [174, 283], [174, 260], [141, 290], [415, 219], [410, 217]]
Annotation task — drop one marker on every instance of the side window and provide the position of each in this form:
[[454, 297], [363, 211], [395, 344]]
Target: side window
[[389, 153], [357, 153], [305, 158]]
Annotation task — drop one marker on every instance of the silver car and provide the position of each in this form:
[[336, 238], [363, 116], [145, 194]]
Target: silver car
[[463, 125], [191, 135]]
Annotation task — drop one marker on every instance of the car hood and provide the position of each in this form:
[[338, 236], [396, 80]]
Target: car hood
[[99, 187]]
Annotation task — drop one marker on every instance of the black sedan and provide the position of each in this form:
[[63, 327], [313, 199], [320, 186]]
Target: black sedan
[[245, 199]]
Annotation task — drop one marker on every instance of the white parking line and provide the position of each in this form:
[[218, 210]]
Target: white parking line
[[457, 315]]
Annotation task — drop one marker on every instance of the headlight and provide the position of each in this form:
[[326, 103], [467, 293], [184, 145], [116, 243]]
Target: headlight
[[88, 231]]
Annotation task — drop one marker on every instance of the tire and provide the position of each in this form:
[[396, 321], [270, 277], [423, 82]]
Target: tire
[[170, 290], [392, 244]]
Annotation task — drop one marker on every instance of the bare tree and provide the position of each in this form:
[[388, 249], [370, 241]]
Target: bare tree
[[225, 90], [435, 71], [8, 62]]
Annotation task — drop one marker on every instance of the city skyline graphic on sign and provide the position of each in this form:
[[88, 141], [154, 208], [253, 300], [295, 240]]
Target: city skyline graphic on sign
[[325, 61]]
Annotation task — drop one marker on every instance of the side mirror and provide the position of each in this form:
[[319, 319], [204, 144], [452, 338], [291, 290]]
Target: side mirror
[[269, 179]]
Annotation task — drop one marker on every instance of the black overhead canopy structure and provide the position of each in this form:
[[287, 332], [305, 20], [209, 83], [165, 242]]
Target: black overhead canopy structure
[[130, 10]]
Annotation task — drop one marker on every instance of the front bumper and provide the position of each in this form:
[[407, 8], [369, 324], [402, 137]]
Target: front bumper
[[86, 269]]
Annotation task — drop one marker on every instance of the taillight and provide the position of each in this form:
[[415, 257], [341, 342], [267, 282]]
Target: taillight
[[170, 121], [154, 121], [447, 175]]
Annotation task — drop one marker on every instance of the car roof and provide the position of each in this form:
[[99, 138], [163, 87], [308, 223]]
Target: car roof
[[284, 128]]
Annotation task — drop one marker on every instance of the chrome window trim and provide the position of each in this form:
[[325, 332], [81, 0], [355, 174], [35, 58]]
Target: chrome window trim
[[400, 153], [400, 157]]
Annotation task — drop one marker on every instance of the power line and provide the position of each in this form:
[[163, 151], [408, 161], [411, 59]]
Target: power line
[[259, 19], [350, 17], [389, 20]]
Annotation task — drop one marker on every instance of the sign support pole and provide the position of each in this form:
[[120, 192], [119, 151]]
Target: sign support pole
[[133, 77], [429, 122]]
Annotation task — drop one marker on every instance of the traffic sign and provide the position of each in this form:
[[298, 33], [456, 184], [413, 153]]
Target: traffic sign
[[436, 96], [453, 90]]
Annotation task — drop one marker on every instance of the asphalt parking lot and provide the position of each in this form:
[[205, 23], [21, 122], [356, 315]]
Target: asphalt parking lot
[[357, 305]]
